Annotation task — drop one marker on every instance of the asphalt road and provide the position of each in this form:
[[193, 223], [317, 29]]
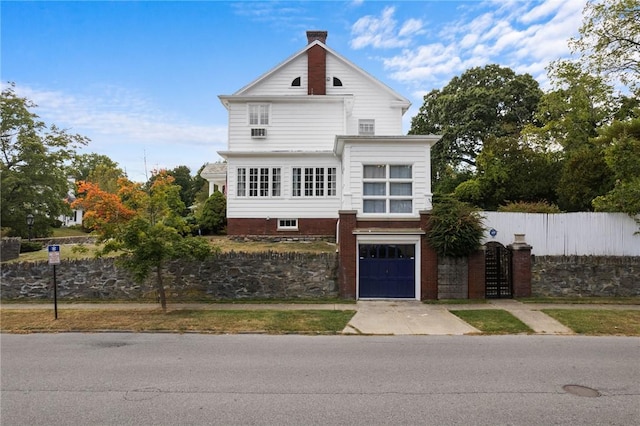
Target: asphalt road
[[169, 379]]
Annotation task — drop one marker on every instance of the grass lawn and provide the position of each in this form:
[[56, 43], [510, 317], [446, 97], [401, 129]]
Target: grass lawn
[[493, 321], [226, 245], [584, 300], [204, 321], [597, 322]]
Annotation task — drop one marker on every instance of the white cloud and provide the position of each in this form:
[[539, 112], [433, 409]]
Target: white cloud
[[525, 36], [123, 125], [382, 31]]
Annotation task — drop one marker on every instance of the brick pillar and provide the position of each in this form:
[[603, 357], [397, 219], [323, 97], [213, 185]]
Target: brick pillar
[[347, 254], [477, 274], [429, 262], [521, 269]]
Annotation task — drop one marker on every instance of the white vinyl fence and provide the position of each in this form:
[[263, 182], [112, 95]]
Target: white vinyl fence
[[567, 234]]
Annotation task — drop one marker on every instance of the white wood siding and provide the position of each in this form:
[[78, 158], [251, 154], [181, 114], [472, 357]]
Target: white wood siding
[[293, 126], [279, 83], [364, 154], [567, 234], [285, 206], [371, 101]]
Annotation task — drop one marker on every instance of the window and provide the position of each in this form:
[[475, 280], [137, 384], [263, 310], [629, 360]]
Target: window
[[259, 114], [313, 181], [295, 82], [337, 82], [387, 188], [287, 224], [366, 127], [263, 182]]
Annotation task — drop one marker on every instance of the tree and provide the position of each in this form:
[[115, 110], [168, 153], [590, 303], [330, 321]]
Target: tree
[[98, 169], [32, 169], [492, 101], [511, 170], [610, 39], [621, 142], [568, 118], [213, 217], [189, 185], [144, 225]]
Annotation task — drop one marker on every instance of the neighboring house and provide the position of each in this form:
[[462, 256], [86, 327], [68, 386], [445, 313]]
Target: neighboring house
[[316, 149], [75, 218]]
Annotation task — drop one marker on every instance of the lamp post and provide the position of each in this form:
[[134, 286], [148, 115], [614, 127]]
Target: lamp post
[[30, 220]]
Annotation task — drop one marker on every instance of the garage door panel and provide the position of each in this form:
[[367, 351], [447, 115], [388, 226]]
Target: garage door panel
[[387, 271]]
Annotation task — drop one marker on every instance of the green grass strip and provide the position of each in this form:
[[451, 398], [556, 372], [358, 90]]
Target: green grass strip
[[492, 321]]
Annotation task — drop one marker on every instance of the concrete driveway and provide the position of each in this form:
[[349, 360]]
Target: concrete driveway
[[405, 317]]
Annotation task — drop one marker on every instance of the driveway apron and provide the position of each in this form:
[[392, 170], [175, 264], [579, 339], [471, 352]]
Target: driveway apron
[[405, 317]]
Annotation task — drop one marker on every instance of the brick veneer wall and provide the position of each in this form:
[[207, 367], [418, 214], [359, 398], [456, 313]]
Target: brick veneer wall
[[347, 254], [318, 226]]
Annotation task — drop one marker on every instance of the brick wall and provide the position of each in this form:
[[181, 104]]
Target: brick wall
[[318, 226]]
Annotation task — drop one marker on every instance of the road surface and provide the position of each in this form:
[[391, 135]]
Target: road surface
[[171, 379]]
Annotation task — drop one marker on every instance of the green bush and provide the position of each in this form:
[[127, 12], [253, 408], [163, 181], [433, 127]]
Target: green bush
[[530, 207], [29, 246], [213, 217], [456, 228]]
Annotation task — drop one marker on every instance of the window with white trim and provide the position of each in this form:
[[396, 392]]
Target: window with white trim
[[263, 181], [287, 224], [387, 188], [259, 114], [366, 127], [313, 182]]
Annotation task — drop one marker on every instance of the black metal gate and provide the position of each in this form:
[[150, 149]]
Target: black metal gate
[[497, 271]]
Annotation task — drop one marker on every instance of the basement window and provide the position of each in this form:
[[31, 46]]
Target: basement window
[[287, 224]]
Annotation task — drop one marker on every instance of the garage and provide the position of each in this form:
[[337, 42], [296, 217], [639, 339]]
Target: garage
[[387, 271]]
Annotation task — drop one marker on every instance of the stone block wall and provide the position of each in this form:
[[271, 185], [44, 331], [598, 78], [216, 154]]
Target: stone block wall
[[220, 277], [10, 248], [585, 276]]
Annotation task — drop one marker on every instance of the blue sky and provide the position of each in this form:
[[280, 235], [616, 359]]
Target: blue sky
[[141, 79]]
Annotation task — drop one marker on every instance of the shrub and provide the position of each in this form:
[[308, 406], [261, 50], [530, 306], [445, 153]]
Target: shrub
[[530, 207], [213, 217], [456, 228], [29, 246]]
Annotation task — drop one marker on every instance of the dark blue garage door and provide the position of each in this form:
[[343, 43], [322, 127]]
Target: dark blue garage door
[[387, 271]]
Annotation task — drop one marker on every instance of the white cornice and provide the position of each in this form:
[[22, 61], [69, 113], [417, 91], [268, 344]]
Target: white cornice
[[342, 140]]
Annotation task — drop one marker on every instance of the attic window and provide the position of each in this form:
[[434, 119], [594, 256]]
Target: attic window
[[337, 82], [295, 82]]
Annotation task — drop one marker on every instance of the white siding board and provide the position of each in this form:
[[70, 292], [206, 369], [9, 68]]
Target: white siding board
[[279, 83], [567, 234], [362, 154], [285, 206], [293, 126]]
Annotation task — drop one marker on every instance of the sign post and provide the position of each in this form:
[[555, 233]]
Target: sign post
[[54, 259]]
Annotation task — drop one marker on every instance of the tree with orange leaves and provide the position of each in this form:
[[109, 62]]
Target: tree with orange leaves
[[104, 212], [143, 224]]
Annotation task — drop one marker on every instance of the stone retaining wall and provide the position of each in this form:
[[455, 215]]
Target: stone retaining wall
[[223, 276], [584, 276], [10, 248]]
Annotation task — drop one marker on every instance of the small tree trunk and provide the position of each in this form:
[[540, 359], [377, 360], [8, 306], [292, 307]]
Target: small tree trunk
[[161, 293]]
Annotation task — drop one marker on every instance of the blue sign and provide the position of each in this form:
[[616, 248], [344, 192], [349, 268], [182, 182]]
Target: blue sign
[[493, 232], [54, 255]]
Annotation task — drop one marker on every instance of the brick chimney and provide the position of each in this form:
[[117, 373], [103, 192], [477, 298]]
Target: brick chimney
[[317, 64]]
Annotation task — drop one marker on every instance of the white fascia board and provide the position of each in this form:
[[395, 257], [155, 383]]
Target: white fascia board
[[275, 154], [228, 99], [342, 140]]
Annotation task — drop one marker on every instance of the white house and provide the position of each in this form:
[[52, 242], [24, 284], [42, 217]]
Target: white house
[[315, 148]]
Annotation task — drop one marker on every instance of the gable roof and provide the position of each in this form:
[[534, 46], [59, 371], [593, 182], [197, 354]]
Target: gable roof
[[401, 100]]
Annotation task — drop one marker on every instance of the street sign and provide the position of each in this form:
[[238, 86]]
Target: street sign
[[54, 255]]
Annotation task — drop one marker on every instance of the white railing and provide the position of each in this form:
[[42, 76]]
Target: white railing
[[580, 234]]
